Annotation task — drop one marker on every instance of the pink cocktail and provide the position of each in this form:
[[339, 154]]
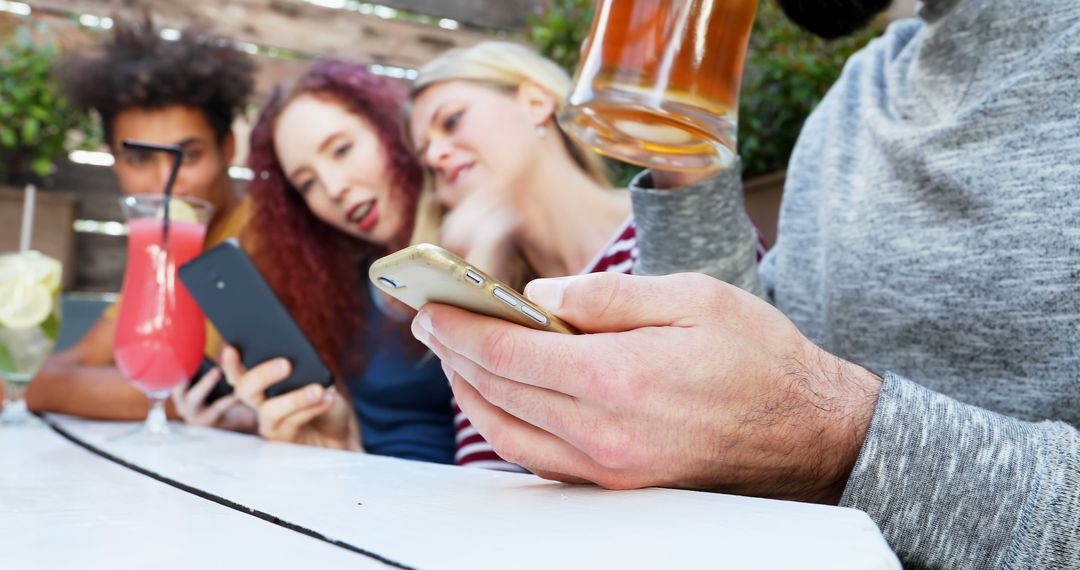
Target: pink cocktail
[[160, 331]]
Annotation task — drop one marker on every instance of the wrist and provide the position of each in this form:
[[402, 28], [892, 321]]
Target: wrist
[[852, 393]]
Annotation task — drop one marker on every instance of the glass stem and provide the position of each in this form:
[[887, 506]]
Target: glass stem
[[13, 409], [156, 421]]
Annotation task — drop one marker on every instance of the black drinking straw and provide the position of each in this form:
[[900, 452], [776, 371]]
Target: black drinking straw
[[178, 157]]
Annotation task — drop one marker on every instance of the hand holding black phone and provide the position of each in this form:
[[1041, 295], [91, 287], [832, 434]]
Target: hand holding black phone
[[221, 389], [232, 293]]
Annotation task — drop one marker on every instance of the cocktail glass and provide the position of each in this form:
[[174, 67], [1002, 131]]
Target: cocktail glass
[[29, 323], [160, 331]]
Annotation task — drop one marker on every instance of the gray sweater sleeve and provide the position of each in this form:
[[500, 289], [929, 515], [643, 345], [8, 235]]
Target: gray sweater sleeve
[[701, 228], [955, 486]]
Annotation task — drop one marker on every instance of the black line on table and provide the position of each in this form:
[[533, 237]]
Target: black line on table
[[221, 500]]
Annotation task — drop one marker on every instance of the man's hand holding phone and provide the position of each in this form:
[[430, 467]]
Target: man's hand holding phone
[[311, 415]]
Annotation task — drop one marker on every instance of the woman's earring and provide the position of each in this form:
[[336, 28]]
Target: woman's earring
[[541, 131]]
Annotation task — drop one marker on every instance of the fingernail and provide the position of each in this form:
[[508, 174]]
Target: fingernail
[[548, 293], [421, 328], [282, 366], [329, 396], [313, 394]]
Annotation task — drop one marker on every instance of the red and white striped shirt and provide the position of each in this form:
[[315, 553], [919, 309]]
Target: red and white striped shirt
[[472, 449], [620, 256]]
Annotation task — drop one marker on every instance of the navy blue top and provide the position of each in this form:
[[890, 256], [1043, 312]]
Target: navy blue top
[[402, 398]]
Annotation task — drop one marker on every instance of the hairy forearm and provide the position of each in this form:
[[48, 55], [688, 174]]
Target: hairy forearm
[[842, 398], [817, 418]]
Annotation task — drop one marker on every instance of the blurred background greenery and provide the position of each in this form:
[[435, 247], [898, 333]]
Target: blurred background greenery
[[37, 125], [787, 73]]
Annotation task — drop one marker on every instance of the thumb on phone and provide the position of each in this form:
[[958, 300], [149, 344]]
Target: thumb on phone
[[615, 302]]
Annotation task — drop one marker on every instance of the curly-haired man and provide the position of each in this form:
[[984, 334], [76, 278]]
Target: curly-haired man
[[185, 91]]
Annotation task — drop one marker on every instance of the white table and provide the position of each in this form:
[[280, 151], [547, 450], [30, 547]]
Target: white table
[[64, 507], [414, 514]]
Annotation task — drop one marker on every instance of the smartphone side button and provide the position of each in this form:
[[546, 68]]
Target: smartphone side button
[[534, 314], [386, 282], [505, 296], [474, 278]]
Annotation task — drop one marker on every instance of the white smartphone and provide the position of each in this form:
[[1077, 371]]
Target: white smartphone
[[426, 273]]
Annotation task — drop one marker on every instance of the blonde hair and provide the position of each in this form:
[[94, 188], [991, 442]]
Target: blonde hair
[[506, 66]]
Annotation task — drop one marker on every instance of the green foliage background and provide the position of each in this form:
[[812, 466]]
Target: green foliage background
[[37, 125], [787, 73]]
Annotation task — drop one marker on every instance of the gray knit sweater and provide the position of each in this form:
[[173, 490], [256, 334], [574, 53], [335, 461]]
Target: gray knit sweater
[[930, 231]]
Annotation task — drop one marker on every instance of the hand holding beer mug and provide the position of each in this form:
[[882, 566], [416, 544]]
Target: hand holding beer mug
[[658, 84]]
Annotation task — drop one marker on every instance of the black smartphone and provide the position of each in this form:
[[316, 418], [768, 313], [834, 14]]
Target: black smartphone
[[220, 390], [234, 296]]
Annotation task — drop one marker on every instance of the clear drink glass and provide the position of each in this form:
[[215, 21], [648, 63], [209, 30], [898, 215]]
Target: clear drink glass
[[658, 83], [29, 323], [160, 331]]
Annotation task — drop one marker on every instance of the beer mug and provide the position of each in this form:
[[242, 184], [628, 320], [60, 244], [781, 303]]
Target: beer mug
[[658, 83]]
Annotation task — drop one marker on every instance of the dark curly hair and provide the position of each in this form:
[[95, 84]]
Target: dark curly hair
[[140, 69], [314, 268]]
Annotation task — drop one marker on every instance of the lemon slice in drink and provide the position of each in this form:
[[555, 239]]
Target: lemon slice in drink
[[47, 271], [25, 303], [179, 211], [31, 265]]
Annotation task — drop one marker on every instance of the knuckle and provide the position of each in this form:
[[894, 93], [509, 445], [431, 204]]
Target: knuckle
[[490, 390], [247, 396], [609, 448], [504, 446], [497, 351], [497, 392], [245, 390], [714, 294], [606, 294], [606, 383], [614, 384]]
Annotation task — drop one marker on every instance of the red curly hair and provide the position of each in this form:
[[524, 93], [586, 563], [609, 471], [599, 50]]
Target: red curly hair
[[314, 268]]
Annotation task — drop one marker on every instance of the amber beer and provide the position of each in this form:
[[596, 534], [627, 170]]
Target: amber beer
[[659, 81]]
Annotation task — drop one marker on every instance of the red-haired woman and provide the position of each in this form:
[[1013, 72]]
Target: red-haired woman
[[335, 188]]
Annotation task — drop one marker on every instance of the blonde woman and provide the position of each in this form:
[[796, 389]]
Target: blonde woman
[[514, 193]]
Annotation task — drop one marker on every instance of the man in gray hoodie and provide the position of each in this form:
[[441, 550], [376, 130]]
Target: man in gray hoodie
[[920, 359]]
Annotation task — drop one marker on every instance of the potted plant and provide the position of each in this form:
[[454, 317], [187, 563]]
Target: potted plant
[[787, 73], [37, 130], [37, 125]]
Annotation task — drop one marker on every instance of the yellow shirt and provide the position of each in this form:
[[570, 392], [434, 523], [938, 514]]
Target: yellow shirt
[[229, 225]]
